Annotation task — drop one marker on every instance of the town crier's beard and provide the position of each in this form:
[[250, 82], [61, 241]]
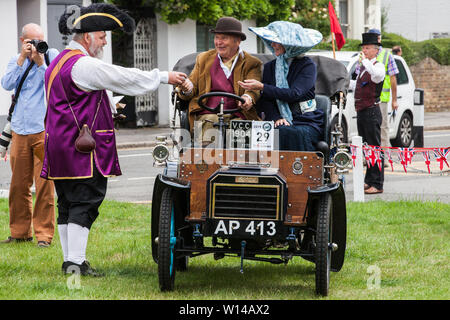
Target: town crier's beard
[[98, 41], [93, 42]]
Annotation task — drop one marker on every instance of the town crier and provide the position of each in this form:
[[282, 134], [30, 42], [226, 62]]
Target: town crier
[[80, 144]]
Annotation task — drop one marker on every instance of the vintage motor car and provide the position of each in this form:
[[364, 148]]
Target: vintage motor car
[[250, 200]]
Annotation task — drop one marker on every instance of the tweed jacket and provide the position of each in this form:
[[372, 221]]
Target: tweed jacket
[[248, 67]]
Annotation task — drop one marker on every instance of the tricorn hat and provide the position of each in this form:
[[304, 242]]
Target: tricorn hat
[[229, 25], [96, 17], [370, 38]]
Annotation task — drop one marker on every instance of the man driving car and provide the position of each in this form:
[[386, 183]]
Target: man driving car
[[221, 69]]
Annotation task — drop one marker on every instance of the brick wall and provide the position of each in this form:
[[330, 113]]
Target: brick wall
[[435, 80]]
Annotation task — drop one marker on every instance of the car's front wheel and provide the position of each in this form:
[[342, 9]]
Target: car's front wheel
[[323, 244], [404, 132], [166, 243]]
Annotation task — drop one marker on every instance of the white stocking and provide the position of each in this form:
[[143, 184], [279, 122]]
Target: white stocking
[[77, 242], [62, 230]]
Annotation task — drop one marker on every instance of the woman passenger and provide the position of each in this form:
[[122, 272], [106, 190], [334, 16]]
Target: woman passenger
[[288, 83]]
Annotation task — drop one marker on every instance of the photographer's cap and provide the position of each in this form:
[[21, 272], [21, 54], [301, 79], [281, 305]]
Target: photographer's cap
[[96, 17], [376, 31]]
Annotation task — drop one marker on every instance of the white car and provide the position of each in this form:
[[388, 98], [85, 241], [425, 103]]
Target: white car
[[405, 125]]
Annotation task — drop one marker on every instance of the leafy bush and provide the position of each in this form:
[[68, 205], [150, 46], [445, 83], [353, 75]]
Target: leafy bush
[[350, 45], [414, 52]]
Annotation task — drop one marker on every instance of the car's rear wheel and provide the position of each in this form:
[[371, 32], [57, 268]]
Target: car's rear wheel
[[334, 127], [323, 245], [404, 132], [166, 243]]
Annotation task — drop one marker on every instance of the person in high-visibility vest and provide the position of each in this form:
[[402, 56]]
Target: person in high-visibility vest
[[389, 84]]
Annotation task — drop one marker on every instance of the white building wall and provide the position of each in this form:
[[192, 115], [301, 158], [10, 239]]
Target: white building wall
[[173, 42], [8, 23], [250, 44], [357, 17], [417, 19]]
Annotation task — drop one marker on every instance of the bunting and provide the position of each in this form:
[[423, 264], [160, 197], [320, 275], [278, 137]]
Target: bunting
[[441, 156], [374, 156], [426, 156]]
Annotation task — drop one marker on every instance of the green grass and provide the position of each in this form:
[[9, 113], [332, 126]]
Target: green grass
[[407, 241]]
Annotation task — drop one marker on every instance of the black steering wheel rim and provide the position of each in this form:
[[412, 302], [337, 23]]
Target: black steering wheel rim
[[219, 94]]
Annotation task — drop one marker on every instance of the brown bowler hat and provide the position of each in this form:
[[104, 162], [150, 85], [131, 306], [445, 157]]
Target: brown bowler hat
[[229, 25]]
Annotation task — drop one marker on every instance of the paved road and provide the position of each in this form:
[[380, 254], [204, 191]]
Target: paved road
[[136, 183]]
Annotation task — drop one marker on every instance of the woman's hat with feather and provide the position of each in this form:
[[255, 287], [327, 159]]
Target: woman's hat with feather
[[96, 17]]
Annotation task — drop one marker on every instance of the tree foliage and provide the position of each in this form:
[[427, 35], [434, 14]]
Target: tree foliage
[[309, 13], [209, 11], [312, 14]]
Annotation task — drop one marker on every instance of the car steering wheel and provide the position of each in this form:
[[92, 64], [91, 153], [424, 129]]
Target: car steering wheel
[[219, 94]]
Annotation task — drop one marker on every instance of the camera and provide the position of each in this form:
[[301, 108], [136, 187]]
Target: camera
[[40, 45], [5, 137]]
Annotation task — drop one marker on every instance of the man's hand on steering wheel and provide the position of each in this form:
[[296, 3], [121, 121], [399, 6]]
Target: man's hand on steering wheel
[[248, 102], [216, 109]]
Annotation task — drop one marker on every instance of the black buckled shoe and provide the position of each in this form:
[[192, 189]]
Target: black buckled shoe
[[64, 267], [15, 240], [84, 269]]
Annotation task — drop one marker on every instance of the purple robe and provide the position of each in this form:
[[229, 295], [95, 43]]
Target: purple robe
[[61, 159]]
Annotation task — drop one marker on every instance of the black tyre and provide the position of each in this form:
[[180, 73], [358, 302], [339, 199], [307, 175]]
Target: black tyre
[[404, 132], [323, 241], [166, 243]]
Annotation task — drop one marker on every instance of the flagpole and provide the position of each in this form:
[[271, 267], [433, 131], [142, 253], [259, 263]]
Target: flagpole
[[332, 42]]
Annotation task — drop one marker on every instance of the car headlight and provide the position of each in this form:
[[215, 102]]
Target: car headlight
[[342, 159], [161, 151]]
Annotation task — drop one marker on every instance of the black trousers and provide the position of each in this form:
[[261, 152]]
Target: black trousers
[[79, 199], [369, 128]]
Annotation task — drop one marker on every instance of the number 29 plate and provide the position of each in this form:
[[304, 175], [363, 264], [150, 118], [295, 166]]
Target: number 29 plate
[[254, 135], [255, 228]]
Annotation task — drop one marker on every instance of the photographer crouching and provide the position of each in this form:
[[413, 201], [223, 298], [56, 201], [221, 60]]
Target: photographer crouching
[[25, 130]]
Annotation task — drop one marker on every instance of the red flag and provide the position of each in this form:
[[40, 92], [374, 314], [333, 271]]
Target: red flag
[[336, 27]]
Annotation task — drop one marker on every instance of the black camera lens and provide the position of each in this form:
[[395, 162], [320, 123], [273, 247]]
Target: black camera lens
[[41, 46]]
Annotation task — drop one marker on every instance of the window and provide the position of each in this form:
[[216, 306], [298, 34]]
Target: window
[[261, 47], [343, 17], [205, 39], [402, 76], [366, 12]]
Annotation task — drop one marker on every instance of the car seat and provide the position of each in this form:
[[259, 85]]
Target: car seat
[[324, 103]]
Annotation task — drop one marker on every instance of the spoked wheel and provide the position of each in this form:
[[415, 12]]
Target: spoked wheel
[[323, 245], [166, 243]]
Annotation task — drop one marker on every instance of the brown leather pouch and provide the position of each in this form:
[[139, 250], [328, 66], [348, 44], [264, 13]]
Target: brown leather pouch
[[85, 143]]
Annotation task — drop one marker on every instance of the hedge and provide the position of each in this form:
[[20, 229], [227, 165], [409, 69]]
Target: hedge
[[413, 52]]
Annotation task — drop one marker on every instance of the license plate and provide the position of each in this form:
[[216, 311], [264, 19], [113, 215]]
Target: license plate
[[256, 228], [253, 135]]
